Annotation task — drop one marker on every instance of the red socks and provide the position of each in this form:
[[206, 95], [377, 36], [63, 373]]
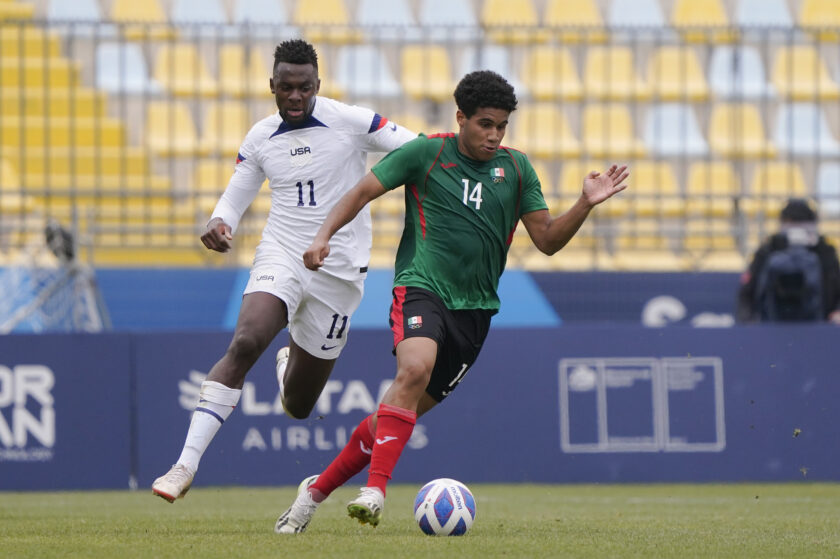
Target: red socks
[[349, 462], [393, 429]]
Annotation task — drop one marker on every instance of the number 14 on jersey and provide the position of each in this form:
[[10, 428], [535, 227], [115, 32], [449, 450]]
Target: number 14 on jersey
[[473, 195]]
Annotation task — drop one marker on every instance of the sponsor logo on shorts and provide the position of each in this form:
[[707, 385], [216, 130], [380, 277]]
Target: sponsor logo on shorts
[[265, 277], [415, 322], [325, 347]]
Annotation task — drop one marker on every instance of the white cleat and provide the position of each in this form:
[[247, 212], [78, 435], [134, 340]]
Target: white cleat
[[282, 360], [174, 484], [367, 507], [297, 517]]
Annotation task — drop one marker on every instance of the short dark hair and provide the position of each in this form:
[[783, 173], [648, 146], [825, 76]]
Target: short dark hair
[[798, 210], [295, 51], [484, 88]]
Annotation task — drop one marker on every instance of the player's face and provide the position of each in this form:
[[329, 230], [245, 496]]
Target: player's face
[[294, 87], [482, 133]]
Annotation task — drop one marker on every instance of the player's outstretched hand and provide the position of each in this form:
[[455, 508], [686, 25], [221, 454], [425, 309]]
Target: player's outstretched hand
[[314, 256], [218, 236], [598, 187]]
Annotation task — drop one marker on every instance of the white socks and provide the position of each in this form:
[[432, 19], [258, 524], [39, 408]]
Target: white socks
[[215, 404]]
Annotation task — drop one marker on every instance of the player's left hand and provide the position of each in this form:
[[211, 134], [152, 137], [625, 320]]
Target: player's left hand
[[598, 187]]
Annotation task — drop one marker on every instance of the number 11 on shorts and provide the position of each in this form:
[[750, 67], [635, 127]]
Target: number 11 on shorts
[[335, 319]]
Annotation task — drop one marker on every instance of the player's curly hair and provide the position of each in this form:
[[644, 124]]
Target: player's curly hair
[[295, 51], [484, 88]]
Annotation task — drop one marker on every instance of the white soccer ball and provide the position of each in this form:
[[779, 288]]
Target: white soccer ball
[[444, 507]]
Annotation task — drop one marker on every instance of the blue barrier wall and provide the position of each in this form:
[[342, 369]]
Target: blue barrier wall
[[209, 299], [568, 404]]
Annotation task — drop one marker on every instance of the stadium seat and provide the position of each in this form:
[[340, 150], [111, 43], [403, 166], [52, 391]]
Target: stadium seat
[[822, 17], [121, 68], [674, 74], [654, 191], [448, 21], [671, 129], [83, 103], [243, 74], [828, 189], [225, 124], [550, 73], [170, 129], [36, 131], [712, 189], [10, 10], [773, 182], [736, 130], [426, 72], [702, 21], [738, 73], [388, 21], [28, 42], [800, 74], [610, 73], [512, 21], [712, 245], [211, 177], [644, 18], [572, 173], [608, 132], [9, 179], [542, 130], [645, 245], [191, 13], [803, 129], [363, 71], [497, 58], [763, 13], [265, 19], [144, 20], [580, 21], [181, 70], [325, 21], [55, 73]]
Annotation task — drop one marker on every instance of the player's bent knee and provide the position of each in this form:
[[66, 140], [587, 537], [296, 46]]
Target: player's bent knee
[[297, 408]]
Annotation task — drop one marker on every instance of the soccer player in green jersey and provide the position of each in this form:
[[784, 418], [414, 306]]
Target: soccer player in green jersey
[[465, 194]]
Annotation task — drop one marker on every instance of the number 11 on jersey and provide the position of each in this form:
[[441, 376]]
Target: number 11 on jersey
[[311, 193]]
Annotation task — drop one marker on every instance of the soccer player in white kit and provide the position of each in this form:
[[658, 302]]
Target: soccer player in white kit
[[312, 151]]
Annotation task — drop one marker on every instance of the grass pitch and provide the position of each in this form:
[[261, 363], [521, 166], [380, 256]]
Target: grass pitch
[[650, 521]]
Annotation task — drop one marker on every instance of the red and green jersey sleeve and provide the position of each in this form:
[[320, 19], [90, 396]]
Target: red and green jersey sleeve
[[459, 217]]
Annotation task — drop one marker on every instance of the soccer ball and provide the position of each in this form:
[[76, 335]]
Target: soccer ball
[[444, 507]]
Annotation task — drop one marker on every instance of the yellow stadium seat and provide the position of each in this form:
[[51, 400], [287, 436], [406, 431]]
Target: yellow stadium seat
[[674, 74], [550, 73], [542, 130], [28, 42], [702, 21], [13, 11], [610, 73], [170, 129], [110, 161], [325, 21], [653, 191], [415, 122], [712, 189], [243, 74], [79, 102], [799, 73], [224, 127], [581, 20], [822, 17], [712, 246], [426, 73], [34, 131], [180, 69], [330, 87], [54, 73], [736, 130], [773, 182], [144, 20], [512, 21], [211, 177], [9, 179], [646, 245], [572, 173], [608, 132]]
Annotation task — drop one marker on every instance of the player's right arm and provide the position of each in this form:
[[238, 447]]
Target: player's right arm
[[365, 191]]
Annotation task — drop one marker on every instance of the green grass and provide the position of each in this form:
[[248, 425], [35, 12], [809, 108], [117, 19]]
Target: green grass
[[659, 521]]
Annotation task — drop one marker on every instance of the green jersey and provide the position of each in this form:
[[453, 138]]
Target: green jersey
[[460, 215]]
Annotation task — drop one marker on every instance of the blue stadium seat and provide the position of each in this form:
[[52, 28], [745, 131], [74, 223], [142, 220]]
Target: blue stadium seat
[[803, 129], [121, 68], [671, 129], [388, 20], [363, 71], [738, 73]]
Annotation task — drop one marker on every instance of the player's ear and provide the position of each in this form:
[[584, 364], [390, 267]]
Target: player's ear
[[317, 86], [271, 85], [460, 117]]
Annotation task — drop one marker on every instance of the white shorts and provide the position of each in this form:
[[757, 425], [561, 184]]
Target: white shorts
[[319, 305]]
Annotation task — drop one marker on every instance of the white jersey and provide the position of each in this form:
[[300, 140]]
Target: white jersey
[[309, 168]]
